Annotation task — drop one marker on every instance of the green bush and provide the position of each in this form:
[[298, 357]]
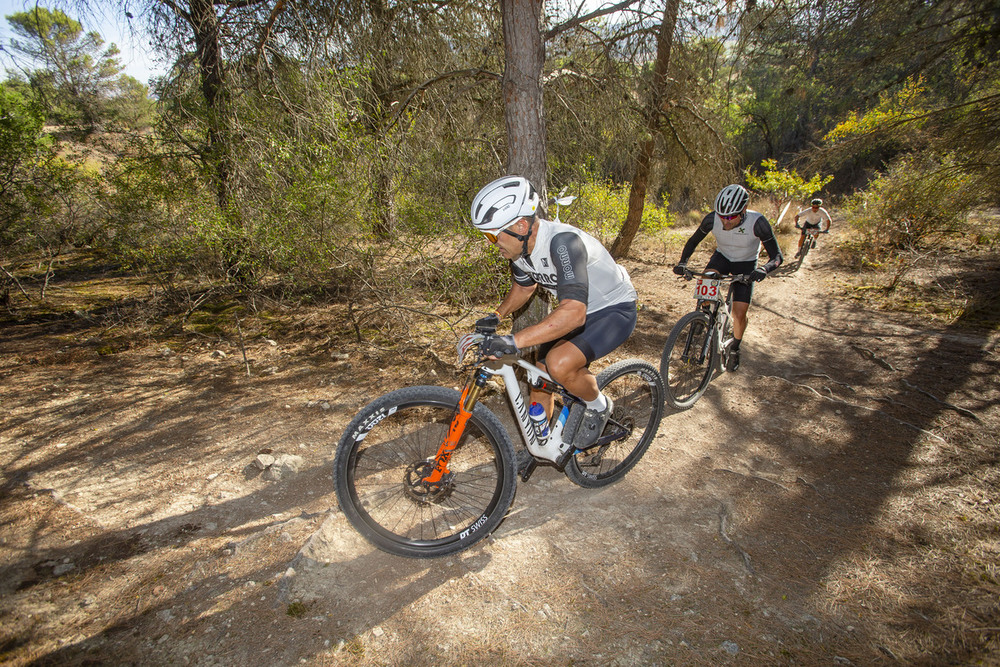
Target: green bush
[[601, 207], [917, 200], [784, 184]]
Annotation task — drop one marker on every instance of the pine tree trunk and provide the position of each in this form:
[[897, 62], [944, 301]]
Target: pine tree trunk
[[655, 111], [524, 50]]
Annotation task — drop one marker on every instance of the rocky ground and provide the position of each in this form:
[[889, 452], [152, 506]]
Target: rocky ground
[[833, 502]]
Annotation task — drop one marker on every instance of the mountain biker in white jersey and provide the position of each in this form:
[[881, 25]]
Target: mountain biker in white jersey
[[597, 302], [739, 234], [812, 217]]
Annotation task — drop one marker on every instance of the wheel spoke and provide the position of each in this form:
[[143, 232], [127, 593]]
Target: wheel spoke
[[637, 392], [380, 474], [686, 364]]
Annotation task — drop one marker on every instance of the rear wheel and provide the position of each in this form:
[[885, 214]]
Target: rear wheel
[[637, 392], [686, 365], [387, 452]]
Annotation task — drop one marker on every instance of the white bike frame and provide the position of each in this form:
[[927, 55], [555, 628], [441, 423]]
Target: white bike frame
[[721, 311], [553, 447]]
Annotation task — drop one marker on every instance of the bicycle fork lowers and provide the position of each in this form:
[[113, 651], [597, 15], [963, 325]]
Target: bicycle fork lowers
[[555, 448]]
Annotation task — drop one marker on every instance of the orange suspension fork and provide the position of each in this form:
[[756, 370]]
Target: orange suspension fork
[[466, 403]]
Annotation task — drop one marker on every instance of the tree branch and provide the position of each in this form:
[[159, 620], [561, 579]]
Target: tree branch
[[577, 20]]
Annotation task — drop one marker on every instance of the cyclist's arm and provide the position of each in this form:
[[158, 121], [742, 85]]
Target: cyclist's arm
[[762, 230], [829, 220], [699, 234], [517, 296], [569, 315], [569, 256]]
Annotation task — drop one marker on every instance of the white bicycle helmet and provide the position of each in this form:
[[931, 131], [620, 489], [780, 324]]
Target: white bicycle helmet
[[502, 203], [816, 202], [731, 200]]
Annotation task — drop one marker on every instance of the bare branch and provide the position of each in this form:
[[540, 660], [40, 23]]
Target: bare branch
[[577, 20]]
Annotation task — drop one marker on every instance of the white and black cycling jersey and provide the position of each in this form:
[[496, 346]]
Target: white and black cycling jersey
[[814, 218], [739, 244], [572, 264]]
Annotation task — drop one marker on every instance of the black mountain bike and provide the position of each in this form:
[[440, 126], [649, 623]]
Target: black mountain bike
[[699, 343], [809, 242]]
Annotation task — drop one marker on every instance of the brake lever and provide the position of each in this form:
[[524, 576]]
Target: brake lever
[[466, 343]]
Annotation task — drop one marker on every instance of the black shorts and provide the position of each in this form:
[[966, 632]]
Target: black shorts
[[603, 331], [719, 262], [808, 226]]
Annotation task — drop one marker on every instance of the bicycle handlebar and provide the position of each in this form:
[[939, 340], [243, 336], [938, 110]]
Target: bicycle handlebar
[[475, 340], [736, 278]]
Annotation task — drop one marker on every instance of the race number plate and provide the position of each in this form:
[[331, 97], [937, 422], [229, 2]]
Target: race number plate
[[708, 289]]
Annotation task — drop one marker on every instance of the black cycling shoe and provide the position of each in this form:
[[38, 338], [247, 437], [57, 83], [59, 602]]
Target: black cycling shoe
[[733, 362], [592, 425]]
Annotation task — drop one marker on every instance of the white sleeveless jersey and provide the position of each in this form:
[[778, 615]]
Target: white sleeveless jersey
[[572, 264], [739, 244], [811, 218]]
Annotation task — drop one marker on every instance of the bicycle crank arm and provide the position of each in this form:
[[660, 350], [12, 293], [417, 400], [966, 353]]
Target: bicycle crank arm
[[612, 433]]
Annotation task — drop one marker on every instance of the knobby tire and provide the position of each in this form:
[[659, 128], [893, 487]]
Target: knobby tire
[[687, 362], [637, 391], [387, 449]]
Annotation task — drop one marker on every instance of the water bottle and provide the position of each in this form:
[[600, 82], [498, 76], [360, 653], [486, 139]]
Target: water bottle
[[537, 415]]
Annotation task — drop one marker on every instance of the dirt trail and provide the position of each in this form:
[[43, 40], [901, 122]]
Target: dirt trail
[[833, 502]]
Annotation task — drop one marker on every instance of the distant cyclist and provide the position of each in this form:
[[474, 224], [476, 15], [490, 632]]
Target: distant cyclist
[[739, 234], [597, 302], [812, 218]]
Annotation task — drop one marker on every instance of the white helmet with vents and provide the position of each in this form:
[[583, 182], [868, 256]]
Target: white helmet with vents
[[732, 200], [502, 203]]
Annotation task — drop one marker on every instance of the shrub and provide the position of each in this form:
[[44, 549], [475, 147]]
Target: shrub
[[917, 200], [601, 207], [784, 184]]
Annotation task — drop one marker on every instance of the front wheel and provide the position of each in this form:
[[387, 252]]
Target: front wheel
[[387, 452], [637, 392], [687, 362]]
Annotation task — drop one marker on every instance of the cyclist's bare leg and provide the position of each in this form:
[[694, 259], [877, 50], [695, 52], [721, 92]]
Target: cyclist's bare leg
[[568, 366], [740, 318], [544, 398]]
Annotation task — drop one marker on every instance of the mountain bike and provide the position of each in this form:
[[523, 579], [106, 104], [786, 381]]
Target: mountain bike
[[809, 243], [429, 471], [700, 341]]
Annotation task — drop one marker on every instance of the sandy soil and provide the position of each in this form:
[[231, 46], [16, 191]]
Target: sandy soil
[[833, 502]]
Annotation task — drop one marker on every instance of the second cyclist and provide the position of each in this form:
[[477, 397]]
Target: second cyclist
[[739, 234]]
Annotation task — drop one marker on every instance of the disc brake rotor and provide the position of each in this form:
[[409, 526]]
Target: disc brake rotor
[[419, 490]]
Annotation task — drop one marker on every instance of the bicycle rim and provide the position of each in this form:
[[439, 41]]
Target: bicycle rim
[[390, 446], [637, 392], [686, 364]]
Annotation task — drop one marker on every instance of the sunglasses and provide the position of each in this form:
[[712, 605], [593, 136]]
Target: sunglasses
[[730, 217], [493, 238]]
